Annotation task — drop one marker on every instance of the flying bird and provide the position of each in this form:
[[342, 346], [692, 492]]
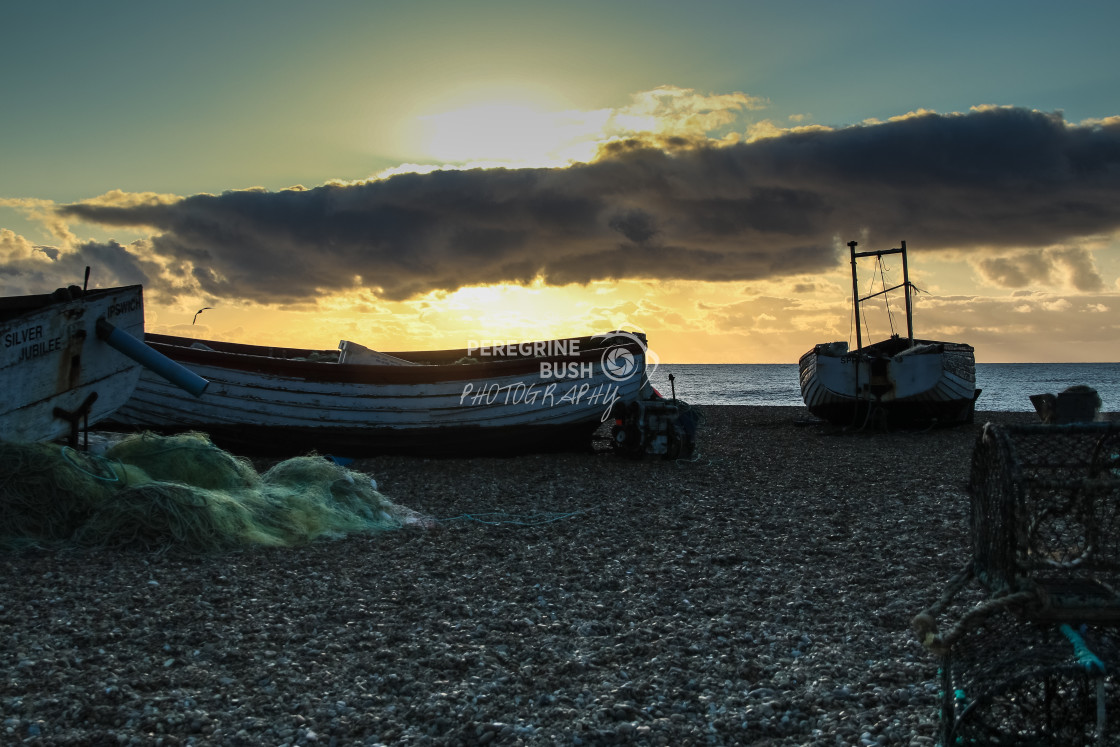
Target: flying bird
[[204, 308]]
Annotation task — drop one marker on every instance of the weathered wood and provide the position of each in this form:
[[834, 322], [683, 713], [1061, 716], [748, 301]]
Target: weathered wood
[[52, 361]]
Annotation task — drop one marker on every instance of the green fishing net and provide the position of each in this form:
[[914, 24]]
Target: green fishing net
[[186, 458], [47, 491], [152, 492]]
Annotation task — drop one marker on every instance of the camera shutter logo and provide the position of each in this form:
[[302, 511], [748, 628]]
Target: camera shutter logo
[[619, 363]]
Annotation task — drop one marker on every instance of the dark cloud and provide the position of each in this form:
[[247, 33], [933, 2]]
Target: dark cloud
[[1017, 271], [1082, 270], [1024, 268], [997, 178]]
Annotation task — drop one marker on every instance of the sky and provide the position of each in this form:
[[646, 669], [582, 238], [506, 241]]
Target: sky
[[424, 175]]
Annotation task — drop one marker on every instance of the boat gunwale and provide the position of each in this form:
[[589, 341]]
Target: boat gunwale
[[257, 359], [13, 307], [877, 348]]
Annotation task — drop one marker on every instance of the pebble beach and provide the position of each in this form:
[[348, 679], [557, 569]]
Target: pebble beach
[[760, 593]]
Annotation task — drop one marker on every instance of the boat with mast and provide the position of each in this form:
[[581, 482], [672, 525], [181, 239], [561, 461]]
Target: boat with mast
[[896, 382]]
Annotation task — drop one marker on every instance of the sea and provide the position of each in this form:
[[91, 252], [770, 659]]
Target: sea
[[1006, 387]]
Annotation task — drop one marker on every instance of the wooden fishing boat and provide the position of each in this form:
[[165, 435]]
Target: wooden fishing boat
[[356, 402], [56, 371], [897, 382]]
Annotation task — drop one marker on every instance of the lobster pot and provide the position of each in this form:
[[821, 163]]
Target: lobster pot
[[1018, 682], [1046, 516]]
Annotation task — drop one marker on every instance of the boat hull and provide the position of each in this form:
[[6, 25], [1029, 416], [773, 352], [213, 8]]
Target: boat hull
[[281, 401], [891, 382], [55, 369]]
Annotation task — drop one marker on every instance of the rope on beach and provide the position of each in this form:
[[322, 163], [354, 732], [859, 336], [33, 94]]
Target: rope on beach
[[695, 458], [925, 622], [103, 466], [502, 518]]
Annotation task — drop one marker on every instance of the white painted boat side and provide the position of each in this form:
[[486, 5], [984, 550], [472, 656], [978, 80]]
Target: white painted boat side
[[236, 396], [913, 376], [827, 379], [52, 358]]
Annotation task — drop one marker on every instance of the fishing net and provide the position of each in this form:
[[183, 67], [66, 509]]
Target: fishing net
[[326, 497], [151, 492], [159, 514], [186, 458], [46, 492]]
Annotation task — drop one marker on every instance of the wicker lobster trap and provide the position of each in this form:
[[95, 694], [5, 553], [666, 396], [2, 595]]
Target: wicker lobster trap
[[1034, 650], [1046, 517], [1013, 681]]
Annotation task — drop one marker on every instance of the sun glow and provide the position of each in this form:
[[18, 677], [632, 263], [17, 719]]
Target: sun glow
[[524, 130], [513, 134], [542, 312]]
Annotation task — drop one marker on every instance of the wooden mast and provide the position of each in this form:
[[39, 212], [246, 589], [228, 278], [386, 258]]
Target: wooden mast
[[859, 335]]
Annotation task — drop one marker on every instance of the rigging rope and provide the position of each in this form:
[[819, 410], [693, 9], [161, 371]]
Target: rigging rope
[[851, 325], [106, 472], [886, 296], [886, 302], [502, 518]]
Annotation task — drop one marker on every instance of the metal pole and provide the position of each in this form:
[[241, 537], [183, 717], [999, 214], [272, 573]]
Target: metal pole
[[906, 290], [855, 294], [859, 335]]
